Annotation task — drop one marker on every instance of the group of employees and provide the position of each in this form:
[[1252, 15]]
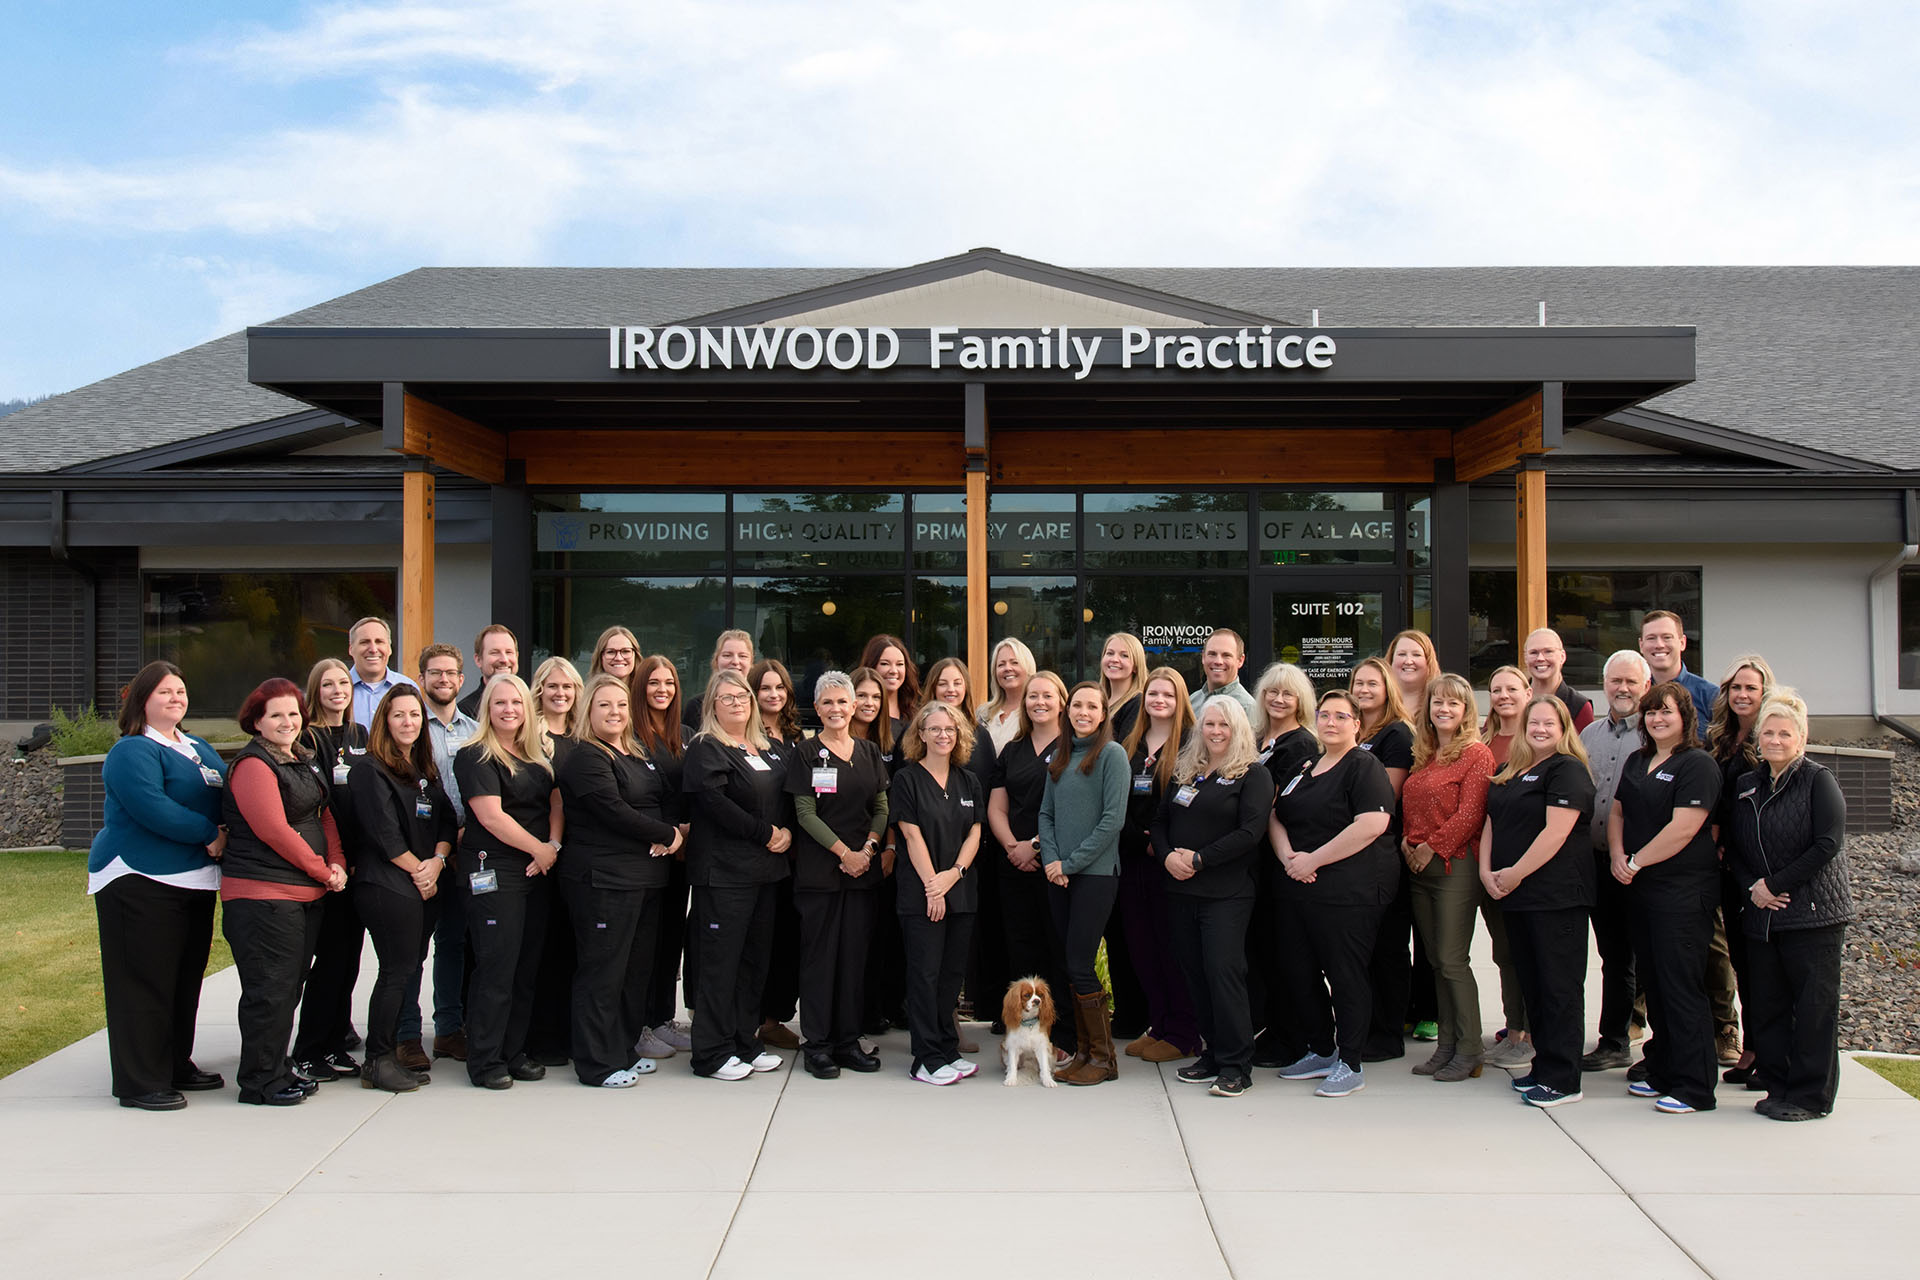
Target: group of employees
[[1282, 878]]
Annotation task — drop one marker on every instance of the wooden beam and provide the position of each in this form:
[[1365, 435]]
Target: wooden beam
[[1237, 456], [456, 443], [416, 569], [728, 459], [1530, 549], [1498, 442], [976, 455]]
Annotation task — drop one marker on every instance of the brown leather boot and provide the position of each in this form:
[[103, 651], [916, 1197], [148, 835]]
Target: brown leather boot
[[1096, 1041], [1078, 1058]]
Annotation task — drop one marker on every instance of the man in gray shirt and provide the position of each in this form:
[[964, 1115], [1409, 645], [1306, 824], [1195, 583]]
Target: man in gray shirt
[[1609, 740], [1220, 663]]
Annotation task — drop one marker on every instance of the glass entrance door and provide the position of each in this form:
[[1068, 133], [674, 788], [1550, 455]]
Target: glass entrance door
[[1325, 626]]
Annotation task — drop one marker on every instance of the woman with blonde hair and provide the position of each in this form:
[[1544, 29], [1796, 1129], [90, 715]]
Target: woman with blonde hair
[[557, 687], [780, 1003], [1733, 741], [1506, 702], [948, 681], [732, 651], [1010, 667], [561, 716], [1415, 662], [1444, 806], [511, 840], [1123, 676], [1283, 735]]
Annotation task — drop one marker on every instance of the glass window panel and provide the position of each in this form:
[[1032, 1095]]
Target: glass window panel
[[630, 532], [678, 617], [815, 623], [1165, 530], [1326, 630], [939, 620], [1596, 611], [1172, 616], [808, 532], [1419, 532], [229, 631], [1302, 526], [1031, 532], [1040, 613], [939, 531], [1909, 629]]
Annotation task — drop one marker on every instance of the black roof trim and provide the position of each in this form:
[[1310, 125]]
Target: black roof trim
[[282, 431], [1648, 426], [976, 260]]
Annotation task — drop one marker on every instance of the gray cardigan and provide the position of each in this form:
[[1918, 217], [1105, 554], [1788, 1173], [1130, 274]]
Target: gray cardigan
[[1081, 815]]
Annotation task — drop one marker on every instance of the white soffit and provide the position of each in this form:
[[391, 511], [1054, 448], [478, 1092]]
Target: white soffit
[[984, 299]]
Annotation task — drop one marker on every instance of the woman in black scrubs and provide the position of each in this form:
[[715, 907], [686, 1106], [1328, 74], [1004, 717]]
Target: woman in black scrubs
[[1386, 732], [1207, 832], [1283, 740], [937, 804], [1663, 850], [1536, 862], [510, 842], [620, 841], [1153, 753], [404, 830], [1013, 820], [735, 780], [886, 656], [1123, 676], [839, 786], [948, 681], [326, 1009], [657, 723], [780, 718], [886, 984], [1330, 831]]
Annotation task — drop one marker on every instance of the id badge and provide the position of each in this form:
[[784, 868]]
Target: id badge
[[826, 781], [423, 808], [1142, 784], [1291, 785], [758, 765], [340, 772], [483, 881], [1184, 796], [211, 777]]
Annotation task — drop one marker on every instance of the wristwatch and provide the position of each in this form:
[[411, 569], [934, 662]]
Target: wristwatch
[[1633, 864]]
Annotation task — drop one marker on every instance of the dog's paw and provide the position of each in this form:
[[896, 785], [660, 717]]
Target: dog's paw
[[1050, 1082]]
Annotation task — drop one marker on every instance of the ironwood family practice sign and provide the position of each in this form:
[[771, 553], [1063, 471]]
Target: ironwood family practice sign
[[876, 348]]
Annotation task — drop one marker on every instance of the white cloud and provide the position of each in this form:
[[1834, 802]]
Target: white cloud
[[245, 292]]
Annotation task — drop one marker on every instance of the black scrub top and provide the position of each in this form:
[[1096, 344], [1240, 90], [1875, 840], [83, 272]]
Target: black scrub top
[[1124, 717], [1518, 810], [1316, 809], [1222, 820], [1286, 753], [736, 806], [336, 749], [1143, 788], [1690, 779], [944, 815], [526, 797], [1024, 777], [847, 810], [618, 807], [985, 756], [670, 765]]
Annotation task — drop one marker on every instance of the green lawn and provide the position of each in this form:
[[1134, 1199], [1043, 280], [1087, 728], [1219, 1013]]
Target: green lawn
[[50, 957], [1904, 1072]]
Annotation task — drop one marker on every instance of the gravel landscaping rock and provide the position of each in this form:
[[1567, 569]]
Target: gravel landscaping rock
[[29, 801], [1880, 968]]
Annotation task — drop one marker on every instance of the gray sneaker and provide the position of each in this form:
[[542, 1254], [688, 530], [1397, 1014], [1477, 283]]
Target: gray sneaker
[[1511, 1053], [1341, 1081], [650, 1045], [1312, 1067], [674, 1033]]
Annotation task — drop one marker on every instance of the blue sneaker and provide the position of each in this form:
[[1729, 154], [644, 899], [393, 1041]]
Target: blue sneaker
[[1341, 1081], [1641, 1089], [1314, 1066], [1542, 1095], [1523, 1083], [1667, 1104]]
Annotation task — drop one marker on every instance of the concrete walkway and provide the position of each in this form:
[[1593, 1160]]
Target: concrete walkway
[[782, 1174]]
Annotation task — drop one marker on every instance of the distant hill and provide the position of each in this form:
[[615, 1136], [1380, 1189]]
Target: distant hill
[[14, 406]]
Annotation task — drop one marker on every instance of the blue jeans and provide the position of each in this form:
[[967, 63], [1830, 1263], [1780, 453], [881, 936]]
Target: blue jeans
[[449, 966]]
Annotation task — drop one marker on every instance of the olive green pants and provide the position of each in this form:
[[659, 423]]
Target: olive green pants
[[1444, 904]]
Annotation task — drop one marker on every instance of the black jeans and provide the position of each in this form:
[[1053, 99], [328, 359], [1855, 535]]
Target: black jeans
[[401, 926], [1326, 951], [1549, 950], [1672, 940], [154, 940], [1793, 1021], [507, 932], [613, 936], [1080, 915], [1612, 919], [326, 1007], [272, 943], [936, 964], [1210, 940], [734, 925], [835, 928]]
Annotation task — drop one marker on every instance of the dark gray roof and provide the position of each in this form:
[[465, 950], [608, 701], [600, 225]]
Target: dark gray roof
[[1821, 357]]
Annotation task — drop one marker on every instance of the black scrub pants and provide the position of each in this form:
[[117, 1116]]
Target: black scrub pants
[[507, 932], [936, 965], [1210, 941], [1275, 1026], [1612, 919], [613, 938], [1793, 981], [781, 997], [987, 969], [1080, 915], [1034, 948], [1672, 942], [326, 1007], [550, 1028], [272, 943], [1390, 971], [836, 928], [1549, 950], [154, 940], [401, 926], [734, 925], [1326, 952], [662, 1002]]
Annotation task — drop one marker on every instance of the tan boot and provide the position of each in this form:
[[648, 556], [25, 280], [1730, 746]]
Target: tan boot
[[1096, 1041]]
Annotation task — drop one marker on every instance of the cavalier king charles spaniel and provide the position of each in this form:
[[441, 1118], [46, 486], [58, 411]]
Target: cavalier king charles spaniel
[[1027, 1013]]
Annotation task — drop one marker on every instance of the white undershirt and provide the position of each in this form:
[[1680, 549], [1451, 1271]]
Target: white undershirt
[[207, 877]]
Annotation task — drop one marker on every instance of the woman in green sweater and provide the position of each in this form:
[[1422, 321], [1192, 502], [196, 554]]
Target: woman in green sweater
[[1081, 816]]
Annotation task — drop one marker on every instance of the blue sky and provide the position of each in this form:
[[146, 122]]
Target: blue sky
[[172, 173]]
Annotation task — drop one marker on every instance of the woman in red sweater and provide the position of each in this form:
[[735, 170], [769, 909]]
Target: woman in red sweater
[[1443, 806], [283, 857]]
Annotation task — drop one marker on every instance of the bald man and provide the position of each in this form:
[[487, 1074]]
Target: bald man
[[1545, 657]]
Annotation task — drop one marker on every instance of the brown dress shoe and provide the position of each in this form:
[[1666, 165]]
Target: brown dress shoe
[[776, 1035], [410, 1054], [452, 1045]]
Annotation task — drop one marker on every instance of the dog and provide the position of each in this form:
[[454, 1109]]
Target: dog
[[1027, 1013]]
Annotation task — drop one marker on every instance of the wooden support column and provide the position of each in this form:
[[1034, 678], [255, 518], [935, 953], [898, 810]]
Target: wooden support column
[[416, 566], [1530, 546], [977, 590]]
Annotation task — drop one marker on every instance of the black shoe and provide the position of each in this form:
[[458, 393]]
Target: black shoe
[[315, 1069], [876, 1027], [1230, 1086], [1637, 1072], [550, 1058], [1784, 1110], [1381, 1052], [285, 1096], [1606, 1057], [344, 1067], [525, 1068], [1523, 1083], [1736, 1075], [501, 1079], [822, 1066], [997, 1027], [194, 1080], [385, 1072], [158, 1100], [352, 1039], [1202, 1071], [857, 1059]]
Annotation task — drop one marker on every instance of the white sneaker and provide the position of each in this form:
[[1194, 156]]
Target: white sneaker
[[962, 1068], [767, 1062], [650, 1045], [675, 1034], [938, 1075], [732, 1069], [644, 1066], [621, 1079]]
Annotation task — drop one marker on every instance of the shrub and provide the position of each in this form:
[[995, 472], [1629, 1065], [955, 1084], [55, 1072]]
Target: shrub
[[87, 734]]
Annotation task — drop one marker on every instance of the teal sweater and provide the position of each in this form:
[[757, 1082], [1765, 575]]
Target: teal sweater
[[1081, 814], [160, 813]]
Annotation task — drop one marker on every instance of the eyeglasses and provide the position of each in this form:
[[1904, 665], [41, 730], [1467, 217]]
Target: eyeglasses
[[617, 653], [732, 699], [441, 673], [940, 731], [1333, 715]]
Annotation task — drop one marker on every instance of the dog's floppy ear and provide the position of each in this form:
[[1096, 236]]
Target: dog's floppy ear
[[1010, 1010], [1046, 1005]]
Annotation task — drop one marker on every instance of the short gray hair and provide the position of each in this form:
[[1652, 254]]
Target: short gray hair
[[832, 680], [1628, 655]]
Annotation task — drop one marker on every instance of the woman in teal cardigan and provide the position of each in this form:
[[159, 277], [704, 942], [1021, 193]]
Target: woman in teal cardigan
[[1081, 816], [153, 875]]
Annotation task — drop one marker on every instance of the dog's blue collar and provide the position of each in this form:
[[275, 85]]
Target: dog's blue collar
[[1034, 1021]]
